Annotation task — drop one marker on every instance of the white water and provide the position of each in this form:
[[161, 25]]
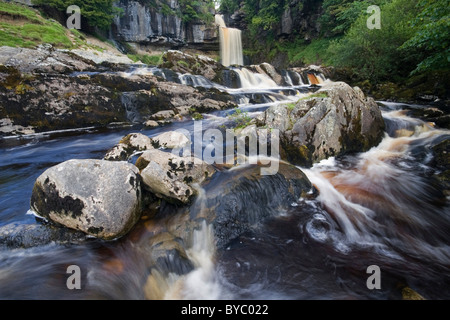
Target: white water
[[230, 44], [383, 186], [254, 80]]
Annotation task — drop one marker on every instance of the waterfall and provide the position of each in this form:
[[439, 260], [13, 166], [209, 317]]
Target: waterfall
[[250, 79], [230, 44]]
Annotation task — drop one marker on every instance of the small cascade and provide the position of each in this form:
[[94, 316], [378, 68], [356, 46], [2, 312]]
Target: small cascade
[[313, 79], [128, 100], [197, 81], [249, 79], [292, 78], [230, 44]]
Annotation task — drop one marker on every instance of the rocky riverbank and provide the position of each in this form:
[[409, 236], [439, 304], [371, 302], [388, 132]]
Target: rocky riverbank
[[46, 89]]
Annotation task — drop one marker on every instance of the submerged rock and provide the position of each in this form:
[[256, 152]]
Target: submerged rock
[[100, 198], [242, 198], [172, 177], [33, 235], [335, 120]]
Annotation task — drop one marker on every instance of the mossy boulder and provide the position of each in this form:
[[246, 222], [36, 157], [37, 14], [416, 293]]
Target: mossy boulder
[[197, 65], [334, 121]]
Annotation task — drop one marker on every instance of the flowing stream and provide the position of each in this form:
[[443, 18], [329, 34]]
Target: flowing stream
[[381, 207]]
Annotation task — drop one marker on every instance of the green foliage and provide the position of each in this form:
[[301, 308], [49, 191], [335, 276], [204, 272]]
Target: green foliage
[[197, 116], [229, 6], [197, 10], [320, 95], [30, 29], [291, 106], [264, 14], [19, 11], [183, 63], [152, 60], [98, 13], [432, 36], [374, 53], [315, 52], [339, 15], [241, 119]]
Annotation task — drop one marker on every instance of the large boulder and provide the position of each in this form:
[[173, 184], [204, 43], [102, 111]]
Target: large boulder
[[100, 198], [172, 177], [243, 198], [335, 120]]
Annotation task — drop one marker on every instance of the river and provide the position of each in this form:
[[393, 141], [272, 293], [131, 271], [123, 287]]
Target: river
[[381, 207]]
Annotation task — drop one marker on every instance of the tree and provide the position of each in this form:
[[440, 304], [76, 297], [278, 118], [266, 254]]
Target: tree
[[98, 13], [432, 38], [375, 53], [339, 15]]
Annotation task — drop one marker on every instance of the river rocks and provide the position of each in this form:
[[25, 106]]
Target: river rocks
[[185, 63], [100, 198], [54, 102], [33, 235], [38, 95], [242, 198], [171, 140], [172, 177], [335, 120], [137, 142], [44, 59], [134, 142]]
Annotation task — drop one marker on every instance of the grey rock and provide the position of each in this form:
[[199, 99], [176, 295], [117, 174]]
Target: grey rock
[[134, 142], [163, 115], [16, 235], [170, 140], [54, 102], [336, 120], [42, 60], [151, 124], [100, 198], [149, 25], [173, 177], [185, 63], [241, 199], [286, 22]]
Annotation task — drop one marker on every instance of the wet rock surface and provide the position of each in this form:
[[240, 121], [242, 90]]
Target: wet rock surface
[[25, 236]]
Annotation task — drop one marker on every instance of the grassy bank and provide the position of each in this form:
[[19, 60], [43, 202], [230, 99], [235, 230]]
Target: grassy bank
[[21, 26]]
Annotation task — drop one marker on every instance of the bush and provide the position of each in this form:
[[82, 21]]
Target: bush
[[98, 13], [375, 53], [432, 37]]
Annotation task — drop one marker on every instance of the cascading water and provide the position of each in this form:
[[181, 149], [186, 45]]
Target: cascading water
[[379, 207], [230, 44]]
